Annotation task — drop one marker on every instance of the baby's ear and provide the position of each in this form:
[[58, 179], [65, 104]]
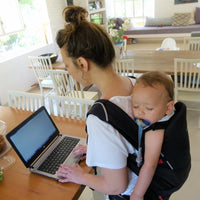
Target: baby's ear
[[170, 107]]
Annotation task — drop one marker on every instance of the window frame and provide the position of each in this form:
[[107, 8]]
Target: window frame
[[113, 10], [14, 7]]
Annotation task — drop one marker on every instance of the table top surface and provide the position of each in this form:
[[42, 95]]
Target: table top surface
[[152, 60], [19, 183]]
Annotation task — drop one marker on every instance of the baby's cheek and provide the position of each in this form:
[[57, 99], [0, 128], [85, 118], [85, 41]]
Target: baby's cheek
[[134, 113]]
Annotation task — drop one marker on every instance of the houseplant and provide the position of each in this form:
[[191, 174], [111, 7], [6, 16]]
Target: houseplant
[[116, 29]]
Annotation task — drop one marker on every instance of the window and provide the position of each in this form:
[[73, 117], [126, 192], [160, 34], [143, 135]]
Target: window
[[24, 24], [134, 9], [10, 23]]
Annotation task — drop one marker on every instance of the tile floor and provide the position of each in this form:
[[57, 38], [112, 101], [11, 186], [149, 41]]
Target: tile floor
[[191, 189]]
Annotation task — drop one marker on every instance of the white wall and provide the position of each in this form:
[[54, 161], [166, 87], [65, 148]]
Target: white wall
[[166, 8], [55, 9], [14, 73]]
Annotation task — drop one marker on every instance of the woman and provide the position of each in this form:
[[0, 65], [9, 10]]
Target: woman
[[88, 54]]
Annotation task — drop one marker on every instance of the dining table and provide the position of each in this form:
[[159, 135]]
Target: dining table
[[19, 183], [151, 60]]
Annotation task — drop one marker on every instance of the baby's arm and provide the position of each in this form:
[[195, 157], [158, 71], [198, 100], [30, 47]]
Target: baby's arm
[[153, 145]]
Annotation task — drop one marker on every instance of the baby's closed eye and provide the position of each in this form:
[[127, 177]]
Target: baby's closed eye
[[149, 108], [135, 106]]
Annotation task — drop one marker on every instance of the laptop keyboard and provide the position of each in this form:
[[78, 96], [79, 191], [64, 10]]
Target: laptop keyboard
[[58, 155]]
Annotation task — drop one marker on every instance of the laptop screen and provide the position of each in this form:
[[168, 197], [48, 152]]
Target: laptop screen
[[32, 136]]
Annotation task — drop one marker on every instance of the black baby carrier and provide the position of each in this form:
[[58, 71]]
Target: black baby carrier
[[175, 162]]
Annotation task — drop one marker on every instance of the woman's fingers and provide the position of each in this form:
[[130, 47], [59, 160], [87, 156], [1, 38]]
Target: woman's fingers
[[80, 150]]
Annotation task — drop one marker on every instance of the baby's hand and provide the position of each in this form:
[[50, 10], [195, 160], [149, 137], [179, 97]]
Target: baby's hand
[[80, 150]]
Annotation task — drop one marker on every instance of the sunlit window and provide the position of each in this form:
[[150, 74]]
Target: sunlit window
[[10, 21], [24, 24], [137, 10]]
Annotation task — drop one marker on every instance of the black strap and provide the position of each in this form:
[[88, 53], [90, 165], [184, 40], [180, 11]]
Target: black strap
[[114, 115], [120, 120], [119, 197], [157, 126]]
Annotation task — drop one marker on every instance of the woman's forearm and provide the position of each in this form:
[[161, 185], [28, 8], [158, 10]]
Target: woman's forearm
[[99, 183], [112, 181]]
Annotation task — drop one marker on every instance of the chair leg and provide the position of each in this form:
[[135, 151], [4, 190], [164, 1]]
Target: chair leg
[[199, 122], [41, 90]]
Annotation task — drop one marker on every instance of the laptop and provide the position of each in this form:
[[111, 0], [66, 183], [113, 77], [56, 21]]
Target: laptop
[[38, 144]]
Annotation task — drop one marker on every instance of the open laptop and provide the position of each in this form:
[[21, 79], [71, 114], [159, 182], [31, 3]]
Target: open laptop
[[36, 141]]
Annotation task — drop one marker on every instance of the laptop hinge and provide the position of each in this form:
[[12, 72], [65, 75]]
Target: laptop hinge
[[44, 151]]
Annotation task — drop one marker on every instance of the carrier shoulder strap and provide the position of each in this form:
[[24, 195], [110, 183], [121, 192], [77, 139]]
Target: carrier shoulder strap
[[119, 119], [115, 116]]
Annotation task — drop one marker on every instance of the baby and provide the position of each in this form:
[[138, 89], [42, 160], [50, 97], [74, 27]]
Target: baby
[[152, 102]]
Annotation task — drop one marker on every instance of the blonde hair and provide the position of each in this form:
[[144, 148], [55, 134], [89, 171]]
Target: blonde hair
[[156, 77], [82, 38]]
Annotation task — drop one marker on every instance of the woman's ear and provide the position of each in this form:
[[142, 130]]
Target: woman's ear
[[83, 64], [170, 107]]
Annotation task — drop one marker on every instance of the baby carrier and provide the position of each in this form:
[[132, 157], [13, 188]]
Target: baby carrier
[[175, 162]]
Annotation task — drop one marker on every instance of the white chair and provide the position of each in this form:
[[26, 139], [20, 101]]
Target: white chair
[[65, 85], [187, 80], [124, 67], [25, 100], [41, 66], [125, 47], [191, 43], [168, 44], [68, 107]]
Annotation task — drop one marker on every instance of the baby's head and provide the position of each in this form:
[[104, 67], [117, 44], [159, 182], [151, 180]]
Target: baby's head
[[153, 96]]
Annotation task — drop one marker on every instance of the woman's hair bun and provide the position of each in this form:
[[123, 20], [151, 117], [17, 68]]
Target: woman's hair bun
[[75, 14]]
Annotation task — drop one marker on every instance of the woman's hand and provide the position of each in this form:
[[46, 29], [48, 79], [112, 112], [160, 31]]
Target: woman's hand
[[68, 173], [80, 150]]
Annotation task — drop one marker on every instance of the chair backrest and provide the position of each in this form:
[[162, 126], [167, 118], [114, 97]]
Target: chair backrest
[[25, 100], [191, 43], [74, 108], [65, 85], [124, 67], [186, 78], [169, 44], [41, 66], [125, 46]]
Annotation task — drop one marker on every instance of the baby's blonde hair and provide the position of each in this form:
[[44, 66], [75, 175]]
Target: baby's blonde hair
[[158, 78]]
